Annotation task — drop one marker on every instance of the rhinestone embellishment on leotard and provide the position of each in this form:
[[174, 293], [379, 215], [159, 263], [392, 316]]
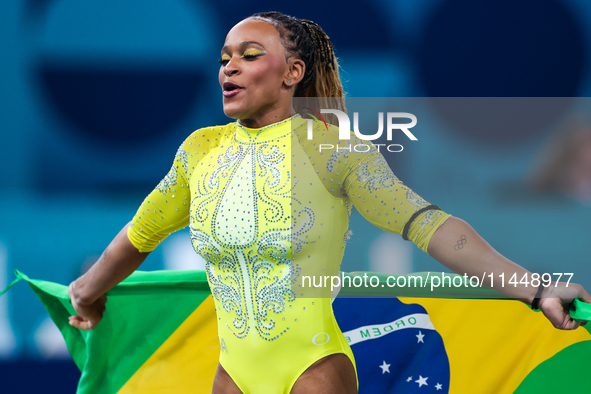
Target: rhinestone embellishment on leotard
[[419, 203], [241, 227], [166, 184], [170, 180], [375, 175]]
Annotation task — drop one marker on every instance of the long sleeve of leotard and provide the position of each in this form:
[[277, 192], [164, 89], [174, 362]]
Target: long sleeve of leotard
[[356, 170], [166, 209], [386, 202]]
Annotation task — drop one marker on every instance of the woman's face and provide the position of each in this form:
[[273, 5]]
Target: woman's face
[[254, 71]]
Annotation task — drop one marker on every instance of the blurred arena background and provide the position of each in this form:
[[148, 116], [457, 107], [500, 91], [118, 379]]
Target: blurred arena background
[[97, 96]]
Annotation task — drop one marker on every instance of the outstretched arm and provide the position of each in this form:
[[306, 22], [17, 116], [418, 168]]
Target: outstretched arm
[[458, 246], [162, 212], [381, 198], [87, 293]]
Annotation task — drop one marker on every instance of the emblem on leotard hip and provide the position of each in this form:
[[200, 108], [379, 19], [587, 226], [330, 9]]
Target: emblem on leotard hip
[[321, 338], [223, 347]]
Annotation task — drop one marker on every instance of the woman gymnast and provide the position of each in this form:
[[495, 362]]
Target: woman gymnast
[[256, 218]]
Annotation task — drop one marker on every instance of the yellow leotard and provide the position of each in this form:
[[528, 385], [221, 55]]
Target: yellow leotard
[[265, 207]]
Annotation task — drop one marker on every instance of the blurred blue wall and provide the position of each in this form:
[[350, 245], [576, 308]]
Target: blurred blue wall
[[96, 97]]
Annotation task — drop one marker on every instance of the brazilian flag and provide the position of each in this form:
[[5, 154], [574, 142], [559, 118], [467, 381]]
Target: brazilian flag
[[159, 335]]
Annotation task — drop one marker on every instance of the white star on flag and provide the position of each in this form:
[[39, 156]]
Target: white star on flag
[[409, 379], [420, 336], [422, 381], [438, 386], [385, 367]]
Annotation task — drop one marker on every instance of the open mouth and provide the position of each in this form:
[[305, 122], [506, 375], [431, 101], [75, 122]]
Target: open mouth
[[231, 89]]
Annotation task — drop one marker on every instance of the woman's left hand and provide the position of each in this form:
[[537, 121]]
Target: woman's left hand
[[555, 302]]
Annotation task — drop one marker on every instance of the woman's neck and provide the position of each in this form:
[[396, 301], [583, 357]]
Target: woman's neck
[[267, 119]]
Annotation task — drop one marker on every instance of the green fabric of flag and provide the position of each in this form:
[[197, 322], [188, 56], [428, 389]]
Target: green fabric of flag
[[143, 311], [147, 309]]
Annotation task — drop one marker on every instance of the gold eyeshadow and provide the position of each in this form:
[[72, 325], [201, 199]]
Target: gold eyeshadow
[[224, 59], [253, 52], [248, 54]]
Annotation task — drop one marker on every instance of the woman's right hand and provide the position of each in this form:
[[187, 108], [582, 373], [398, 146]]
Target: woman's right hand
[[88, 315]]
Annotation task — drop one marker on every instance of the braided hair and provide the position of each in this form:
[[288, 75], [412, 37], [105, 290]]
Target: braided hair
[[307, 41]]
